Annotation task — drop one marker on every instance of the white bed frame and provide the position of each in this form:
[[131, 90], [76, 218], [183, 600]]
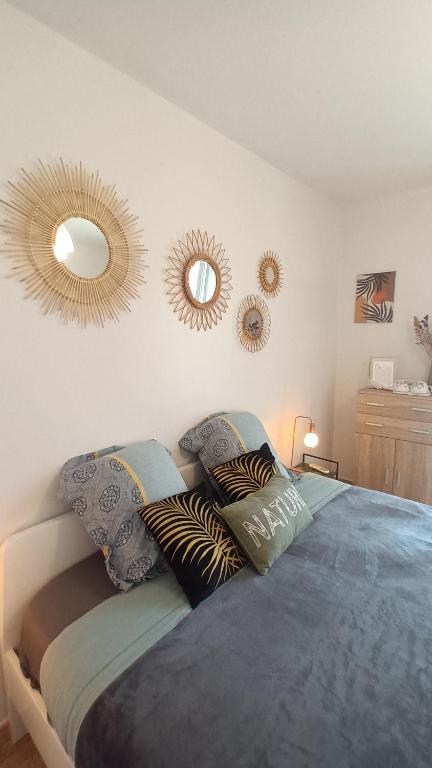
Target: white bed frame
[[28, 560]]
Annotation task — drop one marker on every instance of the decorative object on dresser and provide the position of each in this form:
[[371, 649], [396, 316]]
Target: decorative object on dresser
[[424, 338], [73, 243], [404, 387], [420, 388], [401, 387], [310, 439], [382, 372], [375, 297], [253, 323], [394, 444], [270, 275], [199, 280]]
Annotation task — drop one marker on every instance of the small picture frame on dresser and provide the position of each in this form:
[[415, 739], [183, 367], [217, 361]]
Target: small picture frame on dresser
[[382, 372]]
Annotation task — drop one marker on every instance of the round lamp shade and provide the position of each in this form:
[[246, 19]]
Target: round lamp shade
[[311, 439]]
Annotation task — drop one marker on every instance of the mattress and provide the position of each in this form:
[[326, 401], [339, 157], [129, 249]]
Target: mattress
[[66, 598]]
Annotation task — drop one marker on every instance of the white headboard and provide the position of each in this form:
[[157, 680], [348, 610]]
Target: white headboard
[[30, 558]]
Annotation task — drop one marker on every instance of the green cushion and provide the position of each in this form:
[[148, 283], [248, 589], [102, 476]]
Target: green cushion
[[266, 522]]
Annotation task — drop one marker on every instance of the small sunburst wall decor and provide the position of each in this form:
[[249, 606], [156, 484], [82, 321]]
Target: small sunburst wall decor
[[253, 323], [199, 309], [270, 274], [40, 202]]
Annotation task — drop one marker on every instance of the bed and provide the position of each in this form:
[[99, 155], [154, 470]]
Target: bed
[[324, 662], [29, 559]]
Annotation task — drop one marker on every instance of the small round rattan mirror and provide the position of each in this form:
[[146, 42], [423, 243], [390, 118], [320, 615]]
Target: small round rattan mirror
[[270, 274], [253, 323], [199, 280], [73, 243]]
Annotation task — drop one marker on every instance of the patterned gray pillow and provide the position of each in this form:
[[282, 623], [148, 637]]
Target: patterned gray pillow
[[225, 436], [214, 440], [106, 488]]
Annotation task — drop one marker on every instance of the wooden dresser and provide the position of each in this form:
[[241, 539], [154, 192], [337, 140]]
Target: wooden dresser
[[394, 443]]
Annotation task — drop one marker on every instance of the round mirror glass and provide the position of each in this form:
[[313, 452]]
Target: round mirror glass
[[269, 275], [81, 247], [253, 323], [202, 281]]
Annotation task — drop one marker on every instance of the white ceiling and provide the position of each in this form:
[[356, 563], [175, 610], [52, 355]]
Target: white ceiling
[[337, 93]]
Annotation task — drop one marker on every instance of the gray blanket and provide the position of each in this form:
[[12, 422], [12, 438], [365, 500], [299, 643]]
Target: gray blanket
[[325, 662]]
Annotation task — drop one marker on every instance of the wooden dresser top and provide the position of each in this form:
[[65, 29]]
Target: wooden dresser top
[[387, 393], [380, 411]]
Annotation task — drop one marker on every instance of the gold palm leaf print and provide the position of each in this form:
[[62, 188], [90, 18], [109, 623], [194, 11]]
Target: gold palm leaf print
[[188, 529], [243, 475]]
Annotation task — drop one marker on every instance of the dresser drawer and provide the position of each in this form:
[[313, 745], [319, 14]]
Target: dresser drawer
[[400, 429], [395, 406]]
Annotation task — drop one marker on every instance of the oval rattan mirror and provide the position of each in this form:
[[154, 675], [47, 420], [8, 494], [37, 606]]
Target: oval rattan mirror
[[73, 243], [199, 280]]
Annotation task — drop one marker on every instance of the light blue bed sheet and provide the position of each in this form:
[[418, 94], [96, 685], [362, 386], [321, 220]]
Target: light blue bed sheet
[[317, 490], [93, 651]]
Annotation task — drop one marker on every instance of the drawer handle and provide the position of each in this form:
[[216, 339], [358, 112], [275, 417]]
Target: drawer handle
[[373, 424], [386, 477], [377, 405], [422, 410], [397, 479], [420, 431]]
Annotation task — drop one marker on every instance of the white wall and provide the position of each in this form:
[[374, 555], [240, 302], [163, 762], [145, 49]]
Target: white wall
[[65, 390], [388, 234]]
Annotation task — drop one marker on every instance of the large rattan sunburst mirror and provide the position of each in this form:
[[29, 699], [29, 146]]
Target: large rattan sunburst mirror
[[253, 323], [73, 243], [199, 280]]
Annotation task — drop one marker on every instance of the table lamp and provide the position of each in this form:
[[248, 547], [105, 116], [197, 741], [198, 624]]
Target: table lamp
[[310, 439]]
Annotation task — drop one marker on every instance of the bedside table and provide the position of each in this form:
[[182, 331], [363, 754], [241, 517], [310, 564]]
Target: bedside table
[[311, 463]]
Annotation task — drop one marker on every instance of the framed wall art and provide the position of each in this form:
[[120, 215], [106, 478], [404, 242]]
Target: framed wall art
[[375, 297]]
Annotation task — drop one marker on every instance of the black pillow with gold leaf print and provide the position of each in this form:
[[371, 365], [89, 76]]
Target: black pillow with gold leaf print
[[195, 540], [245, 474]]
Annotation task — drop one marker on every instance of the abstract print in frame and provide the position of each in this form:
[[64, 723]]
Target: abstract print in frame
[[375, 297]]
